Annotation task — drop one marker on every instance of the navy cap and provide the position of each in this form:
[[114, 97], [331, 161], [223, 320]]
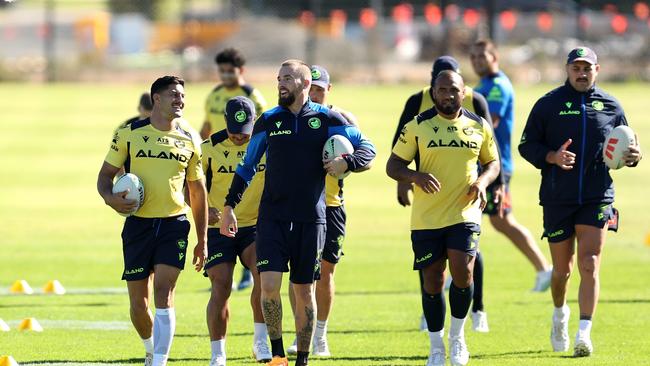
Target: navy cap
[[443, 63], [240, 115], [582, 54], [320, 76]]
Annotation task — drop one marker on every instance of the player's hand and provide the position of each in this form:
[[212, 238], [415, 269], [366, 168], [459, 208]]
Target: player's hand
[[477, 192], [228, 222], [427, 182], [633, 153], [403, 191], [120, 203], [200, 253], [499, 196], [564, 158], [214, 216], [336, 166]]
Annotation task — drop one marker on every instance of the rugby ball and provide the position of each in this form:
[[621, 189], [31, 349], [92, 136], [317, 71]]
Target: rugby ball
[[133, 184], [336, 146], [616, 143]]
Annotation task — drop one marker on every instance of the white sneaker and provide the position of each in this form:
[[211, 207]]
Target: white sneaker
[[148, 359], [583, 347], [218, 361], [560, 333], [543, 280], [423, 324], [479, 322], [293, 348], [261, 351], [437, 357], [319, 347], [458, 353]]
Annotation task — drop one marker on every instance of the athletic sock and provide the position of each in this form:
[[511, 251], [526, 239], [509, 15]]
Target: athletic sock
[[148, 345], [277, 348], [457, 327], [218, 348], [164, 325], [459, 301], [477, 304], [260, 332], [302, 358], [561, 312], [585, 326], [434, 309], [435, 338], [321, 329]]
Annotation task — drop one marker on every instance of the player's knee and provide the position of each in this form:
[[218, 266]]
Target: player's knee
[[588, 265], [221, 288], [463, 279], [303, 292], [139, 307], [270, 288], [561, 273]]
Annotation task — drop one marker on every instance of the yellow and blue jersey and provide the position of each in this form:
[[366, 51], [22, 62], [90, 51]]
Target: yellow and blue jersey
[[215, 103]]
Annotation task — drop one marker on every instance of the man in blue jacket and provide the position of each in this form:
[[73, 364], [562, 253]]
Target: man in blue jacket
[[291, 219], [564, 138]]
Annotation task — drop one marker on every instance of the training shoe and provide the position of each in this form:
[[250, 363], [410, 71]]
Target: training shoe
[[261, 351], [423, 324], [148, 359], [293, 348], [560, 333], [246, 280], [218, 361], [437, 357], [583, 347], [319, 347], [278, 361], [458, 353], [543, 280], [479, 322]]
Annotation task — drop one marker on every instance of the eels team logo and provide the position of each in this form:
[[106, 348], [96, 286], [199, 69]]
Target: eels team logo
[[315, 74], [181, 244], [597, 105], [581, 52], [240, 116], [314, 123]]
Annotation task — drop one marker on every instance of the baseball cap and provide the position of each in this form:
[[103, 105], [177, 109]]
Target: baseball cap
[[240, 115], [582, 54], [320, 76], [443, 63]]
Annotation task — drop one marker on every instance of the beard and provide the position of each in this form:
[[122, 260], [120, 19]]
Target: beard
[[449, 109], [286, 101]]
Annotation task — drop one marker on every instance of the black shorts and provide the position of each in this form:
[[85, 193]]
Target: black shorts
[[560, 220], [431, 245], [334, 234], [293, 247], [150, 241], [492, 208], [222, 249]]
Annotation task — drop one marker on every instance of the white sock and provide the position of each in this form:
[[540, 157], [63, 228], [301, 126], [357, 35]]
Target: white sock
[[321, 329], [148, 345], [457, 328], [159, 360], [164, 325], [561, 312], [260, 332], [436, 339], [218, 348], [585, 326]]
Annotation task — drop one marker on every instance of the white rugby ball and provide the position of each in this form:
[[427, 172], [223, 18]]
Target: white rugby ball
[[616, 143], [336, 146], [133, 184]]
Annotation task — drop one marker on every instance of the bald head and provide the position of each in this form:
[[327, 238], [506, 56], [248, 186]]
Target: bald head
[[449, 92], [449, 77]]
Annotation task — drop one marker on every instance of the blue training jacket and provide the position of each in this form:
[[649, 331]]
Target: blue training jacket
[[294, 186], [586, 118]]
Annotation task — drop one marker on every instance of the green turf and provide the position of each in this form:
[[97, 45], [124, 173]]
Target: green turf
[[53, 225]]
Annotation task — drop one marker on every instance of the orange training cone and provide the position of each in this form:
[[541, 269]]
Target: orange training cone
[[30, 324], [54, 287], [21, 287], [7, 361]]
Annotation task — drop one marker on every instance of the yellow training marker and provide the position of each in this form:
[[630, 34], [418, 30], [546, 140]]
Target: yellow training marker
[[30, 324], [21, 287], [54, 287], [7, 361], [647, 240]]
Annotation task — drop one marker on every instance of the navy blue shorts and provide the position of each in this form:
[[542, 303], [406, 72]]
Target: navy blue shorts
[[222, 249], [334, 234], [431, 245], [150, 241], [492, 208], [293, 247], [560, 220]]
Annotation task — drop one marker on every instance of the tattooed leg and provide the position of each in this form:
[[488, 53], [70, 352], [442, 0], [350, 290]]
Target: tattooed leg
[[271, 303], [305, 304]]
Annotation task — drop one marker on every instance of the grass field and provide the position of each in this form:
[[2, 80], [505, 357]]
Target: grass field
[[53, 225]]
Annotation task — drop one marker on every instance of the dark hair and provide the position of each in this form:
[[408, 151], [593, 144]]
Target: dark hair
[[145, 102], [230, 56], [162, 83]]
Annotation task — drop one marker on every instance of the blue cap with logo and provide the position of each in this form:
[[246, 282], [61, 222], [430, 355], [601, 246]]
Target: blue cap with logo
[[320, 76], [443, 63], [585, 54], [240, 115]]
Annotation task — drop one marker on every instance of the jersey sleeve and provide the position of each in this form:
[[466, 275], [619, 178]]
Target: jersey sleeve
[[532, 145], [498, 98], [406, 146], [259, 101], [195, 166], [489, 151], [481, 107], [411, 109], [364, 150], [204, 158], [248, 165], [118, 152]]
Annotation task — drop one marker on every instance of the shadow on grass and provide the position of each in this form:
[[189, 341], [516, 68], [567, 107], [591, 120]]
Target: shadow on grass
[[124, 361], [360, 331], [43, 305], [600, 301]]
